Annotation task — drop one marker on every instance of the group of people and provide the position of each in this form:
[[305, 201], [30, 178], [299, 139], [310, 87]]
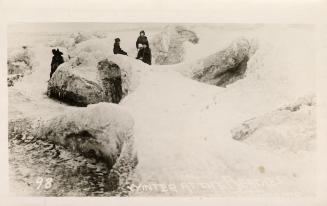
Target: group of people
[[142, 46]]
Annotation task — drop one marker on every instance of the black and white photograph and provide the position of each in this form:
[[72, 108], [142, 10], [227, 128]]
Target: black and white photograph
[[162, 109]]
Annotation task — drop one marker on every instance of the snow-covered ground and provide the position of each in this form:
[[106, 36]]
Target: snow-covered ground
[[183, 127]]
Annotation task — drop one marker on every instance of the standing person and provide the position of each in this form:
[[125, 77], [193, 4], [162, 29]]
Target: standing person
[[117, 49], [144, 54], [57, 59], [142, 39]]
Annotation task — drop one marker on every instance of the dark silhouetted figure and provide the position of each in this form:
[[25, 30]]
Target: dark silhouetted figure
[[144, 54], [117, 49], [57, 59], [142, 39]]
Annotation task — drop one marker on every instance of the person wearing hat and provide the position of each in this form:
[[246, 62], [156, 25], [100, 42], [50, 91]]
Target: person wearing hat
[[117, 49], [142, 39], [57, 59]]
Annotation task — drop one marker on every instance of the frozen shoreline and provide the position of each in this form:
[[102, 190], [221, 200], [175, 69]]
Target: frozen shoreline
[[182, 127]]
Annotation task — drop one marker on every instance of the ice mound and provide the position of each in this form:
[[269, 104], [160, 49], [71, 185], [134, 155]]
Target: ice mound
[[101, 131], [20, 62], [91, 51], [103, 128], [89, 78], [168, 46], [62, 41], [226, 66], [76, 86], [290, 128], [80, 37], [73, 39]]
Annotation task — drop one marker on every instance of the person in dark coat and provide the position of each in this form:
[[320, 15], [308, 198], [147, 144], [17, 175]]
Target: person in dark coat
[[57, 59], [142, 39], [140, 52], [117, 49], [144, 54]]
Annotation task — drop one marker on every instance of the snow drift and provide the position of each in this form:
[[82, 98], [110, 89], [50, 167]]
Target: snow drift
[[168, 46], [291, 128]]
